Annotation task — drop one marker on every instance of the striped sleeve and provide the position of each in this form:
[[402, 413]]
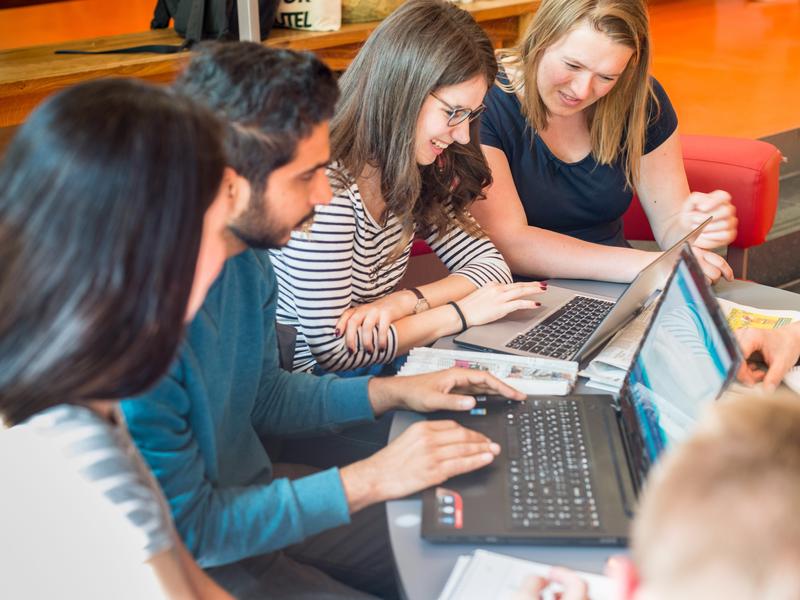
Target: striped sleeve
[[476, 258], [316, 273], [104, 460]]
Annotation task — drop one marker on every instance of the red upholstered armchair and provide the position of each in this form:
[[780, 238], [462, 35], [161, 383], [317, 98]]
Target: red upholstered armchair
[[747, 169]]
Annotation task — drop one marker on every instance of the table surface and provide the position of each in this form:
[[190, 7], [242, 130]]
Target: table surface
[[423, 567]]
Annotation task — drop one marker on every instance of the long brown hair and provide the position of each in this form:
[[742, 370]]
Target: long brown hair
[[100, 226], [422, 46], [618, 120]]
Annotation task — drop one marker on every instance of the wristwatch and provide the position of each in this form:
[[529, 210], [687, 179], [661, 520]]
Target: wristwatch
[[422, 304]]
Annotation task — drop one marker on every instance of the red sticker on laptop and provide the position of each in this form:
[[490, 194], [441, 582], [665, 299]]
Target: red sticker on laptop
[[449, 508]]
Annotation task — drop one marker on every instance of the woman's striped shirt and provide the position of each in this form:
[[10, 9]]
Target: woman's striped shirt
[[338, 263]]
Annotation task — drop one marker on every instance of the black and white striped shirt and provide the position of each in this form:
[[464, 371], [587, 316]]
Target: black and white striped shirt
[[335, 265]]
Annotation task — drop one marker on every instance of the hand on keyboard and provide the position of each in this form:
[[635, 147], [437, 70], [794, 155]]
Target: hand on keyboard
[[495, 300]]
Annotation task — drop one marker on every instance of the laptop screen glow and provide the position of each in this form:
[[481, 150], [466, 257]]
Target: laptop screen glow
[[683, 364]]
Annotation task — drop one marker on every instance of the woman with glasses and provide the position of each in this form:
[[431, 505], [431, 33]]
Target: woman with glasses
[[406, 164], [112, 229], [574, 125]]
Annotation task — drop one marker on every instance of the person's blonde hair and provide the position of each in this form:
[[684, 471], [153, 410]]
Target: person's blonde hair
[[618, 120], [719, 517]]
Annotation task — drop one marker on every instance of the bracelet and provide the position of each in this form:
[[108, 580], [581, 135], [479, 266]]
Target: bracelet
[[460, 316]]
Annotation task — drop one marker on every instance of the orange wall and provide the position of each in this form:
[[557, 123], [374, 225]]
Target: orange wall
[[74, 20]]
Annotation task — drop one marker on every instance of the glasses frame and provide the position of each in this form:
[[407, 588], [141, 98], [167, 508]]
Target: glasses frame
[[468, 113]]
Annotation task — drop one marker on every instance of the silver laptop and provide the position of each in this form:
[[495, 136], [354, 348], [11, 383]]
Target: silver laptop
[[571, 325]]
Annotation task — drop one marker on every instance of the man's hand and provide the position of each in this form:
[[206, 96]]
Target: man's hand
[[425, 454], [780, 349], [452, 389]]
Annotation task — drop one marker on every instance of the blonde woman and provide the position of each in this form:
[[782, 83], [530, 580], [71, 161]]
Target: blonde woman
[[573, 126], [406, 163]]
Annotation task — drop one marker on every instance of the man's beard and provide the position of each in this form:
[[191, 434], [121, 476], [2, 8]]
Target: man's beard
[[254, 229]]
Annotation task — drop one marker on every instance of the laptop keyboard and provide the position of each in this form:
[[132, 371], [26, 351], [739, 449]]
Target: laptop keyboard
[[549, 480], [565, 331]]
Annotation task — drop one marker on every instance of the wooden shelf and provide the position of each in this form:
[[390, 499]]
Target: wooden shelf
[[27, 75]]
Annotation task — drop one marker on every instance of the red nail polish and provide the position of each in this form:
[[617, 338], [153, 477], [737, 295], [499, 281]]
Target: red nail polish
[[538, 304], [337, 333]]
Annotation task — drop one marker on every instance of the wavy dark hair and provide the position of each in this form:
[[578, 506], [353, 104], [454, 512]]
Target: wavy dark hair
[[103, 192], [422, 46], [269, 98]]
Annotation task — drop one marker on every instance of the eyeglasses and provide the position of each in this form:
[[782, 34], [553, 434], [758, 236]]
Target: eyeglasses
[[459, 115]]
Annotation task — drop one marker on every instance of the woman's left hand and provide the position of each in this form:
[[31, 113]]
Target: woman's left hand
[[372, 320], [717, 204]]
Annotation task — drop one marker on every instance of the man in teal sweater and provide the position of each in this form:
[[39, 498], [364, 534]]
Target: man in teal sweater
[[201, 428]]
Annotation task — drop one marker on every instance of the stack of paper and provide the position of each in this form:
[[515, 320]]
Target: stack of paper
[[792, 379], [607, 370], [740, 316], [530, 375], [486, 575]]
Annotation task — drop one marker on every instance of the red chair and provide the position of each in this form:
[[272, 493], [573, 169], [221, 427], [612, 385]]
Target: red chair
[[747, 169]]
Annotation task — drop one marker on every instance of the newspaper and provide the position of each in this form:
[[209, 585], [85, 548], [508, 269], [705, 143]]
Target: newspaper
[[530, 375], [607, 370], [740, 316], [487, 574]]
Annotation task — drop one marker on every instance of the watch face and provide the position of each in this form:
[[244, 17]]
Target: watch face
[[422, 305]]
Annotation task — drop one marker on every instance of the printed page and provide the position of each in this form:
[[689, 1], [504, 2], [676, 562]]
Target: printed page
[[740, 316], [620, 350], [501, 577], [530, 375], [607, 370], [792, 379], [455, 576]]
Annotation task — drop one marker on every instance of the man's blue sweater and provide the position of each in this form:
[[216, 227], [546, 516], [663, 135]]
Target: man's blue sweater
[[200, 428]]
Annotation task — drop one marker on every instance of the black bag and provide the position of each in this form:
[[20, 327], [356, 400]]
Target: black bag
[[196, 20]]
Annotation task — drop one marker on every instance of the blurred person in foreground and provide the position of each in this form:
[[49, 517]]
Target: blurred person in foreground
[[718, 517]]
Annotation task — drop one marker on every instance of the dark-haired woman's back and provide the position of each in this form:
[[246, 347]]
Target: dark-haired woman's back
[[111, 220]]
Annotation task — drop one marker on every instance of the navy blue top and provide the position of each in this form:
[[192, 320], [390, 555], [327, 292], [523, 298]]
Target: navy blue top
[[585, 200]]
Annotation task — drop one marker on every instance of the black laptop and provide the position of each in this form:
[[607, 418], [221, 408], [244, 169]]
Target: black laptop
[[572, 466]]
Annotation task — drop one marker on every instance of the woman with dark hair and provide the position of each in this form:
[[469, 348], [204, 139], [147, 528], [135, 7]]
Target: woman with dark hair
[[407, 163], [113, 201], [574, 125]]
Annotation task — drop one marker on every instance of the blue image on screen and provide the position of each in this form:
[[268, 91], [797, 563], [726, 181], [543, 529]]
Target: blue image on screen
[[682, 365]]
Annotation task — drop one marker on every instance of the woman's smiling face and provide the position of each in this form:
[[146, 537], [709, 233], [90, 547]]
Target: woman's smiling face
[[434, 135], [579, 69]]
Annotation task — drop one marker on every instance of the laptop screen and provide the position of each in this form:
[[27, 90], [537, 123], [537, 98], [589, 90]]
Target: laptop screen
[[684, 362]]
